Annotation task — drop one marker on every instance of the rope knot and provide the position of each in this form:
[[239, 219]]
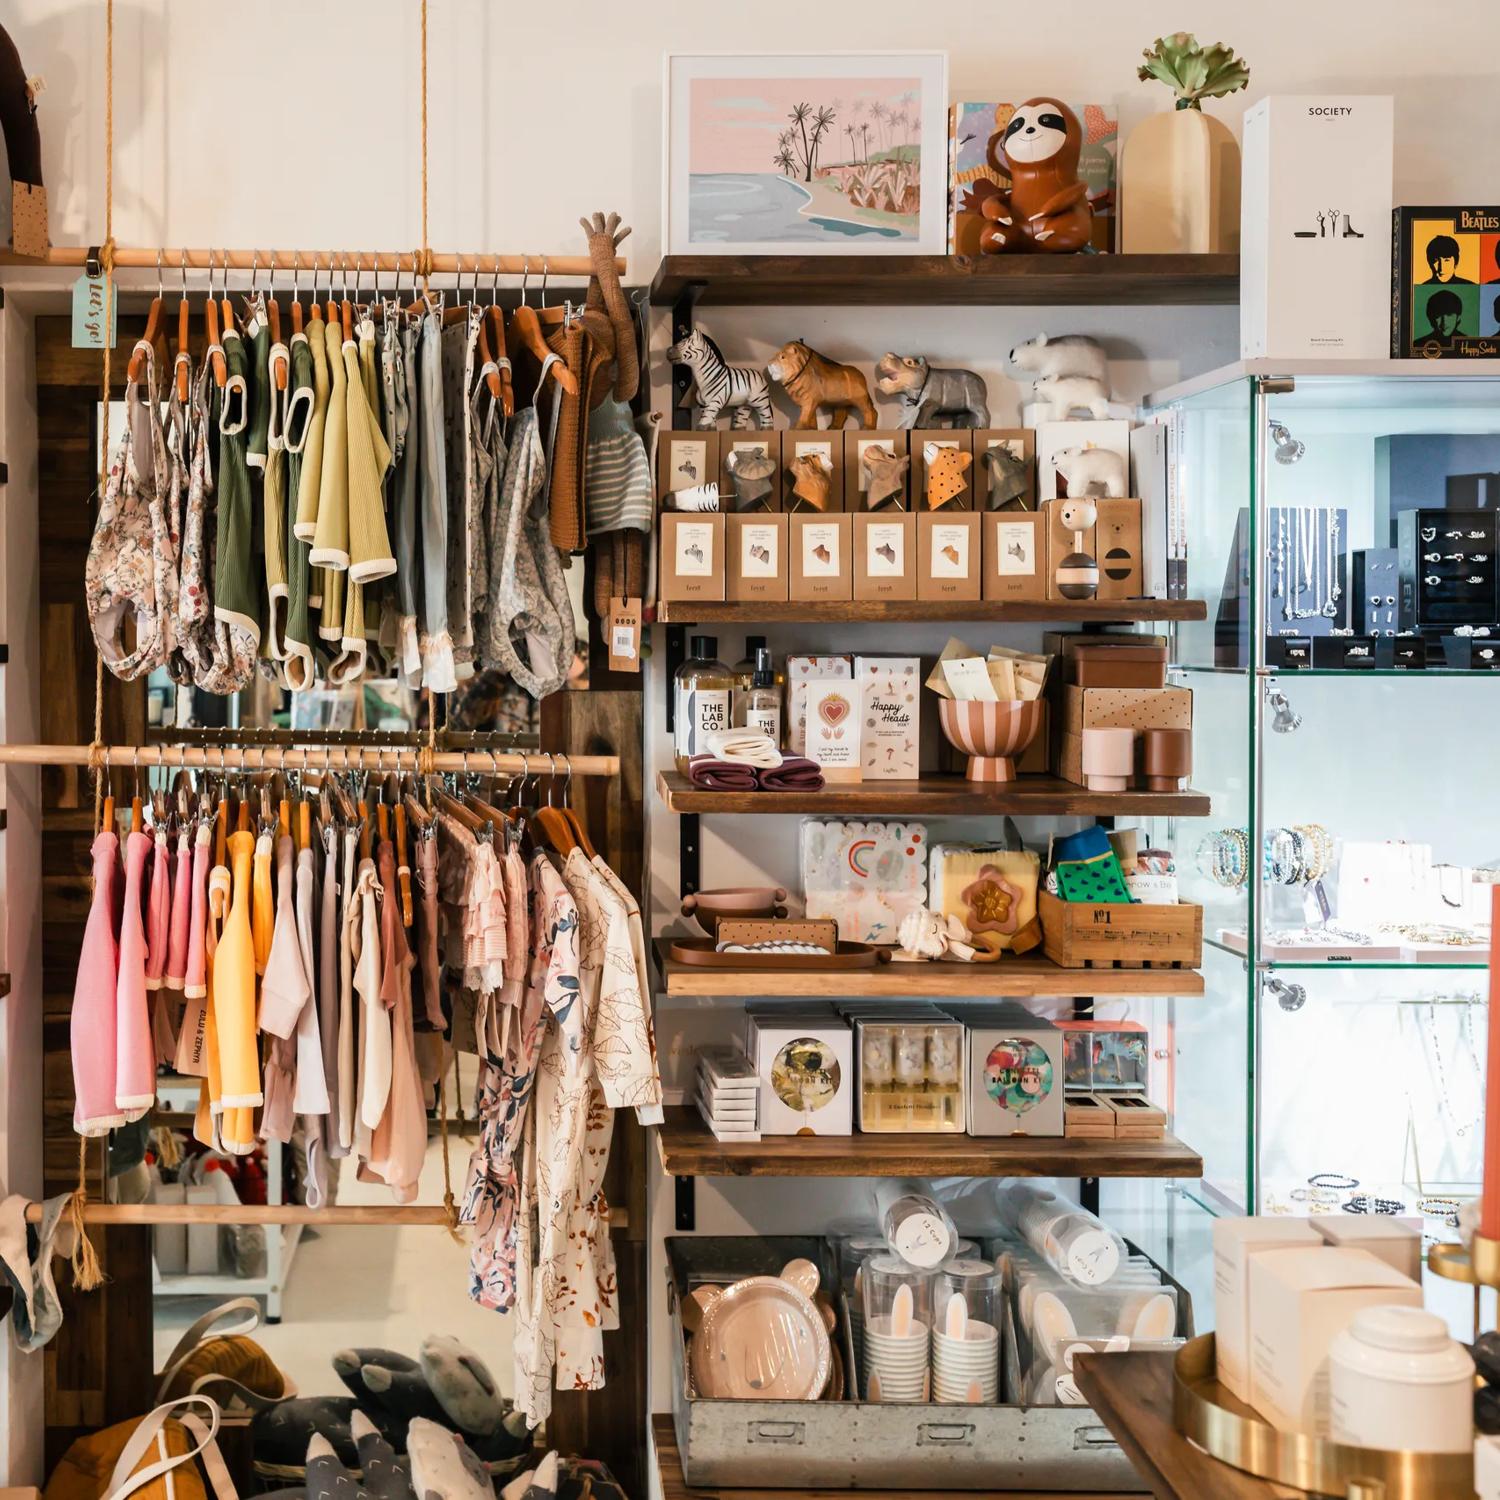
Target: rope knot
[[426, 761], [107, 256]]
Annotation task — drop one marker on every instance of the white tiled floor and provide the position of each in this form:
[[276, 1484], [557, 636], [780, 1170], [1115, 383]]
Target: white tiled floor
[[378, 1285]]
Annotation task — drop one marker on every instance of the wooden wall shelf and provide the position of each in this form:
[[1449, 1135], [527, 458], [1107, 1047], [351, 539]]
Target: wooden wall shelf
[[675, 1487], [997, 611], [1023, 978], [949, 280], [689, 1149], [936, 796]]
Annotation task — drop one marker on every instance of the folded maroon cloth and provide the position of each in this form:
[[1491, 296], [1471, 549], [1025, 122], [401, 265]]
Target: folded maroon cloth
[[715, 775], [796, 773]]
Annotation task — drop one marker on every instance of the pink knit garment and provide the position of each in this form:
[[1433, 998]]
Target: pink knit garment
[[93, 1021], [135, 1053]]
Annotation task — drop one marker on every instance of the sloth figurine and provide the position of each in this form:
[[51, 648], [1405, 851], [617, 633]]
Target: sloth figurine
[[1046, 207]]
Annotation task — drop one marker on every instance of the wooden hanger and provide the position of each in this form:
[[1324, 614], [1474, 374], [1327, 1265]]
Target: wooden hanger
[[279, 362], [211, 332], [571, 814], [458, 812], [403, 869], [495, 316], [221, 825], [555, 827], [107, 821], [184, 325], [304, 825], [137, 816], [296, 295], [284, 819], [346, 307], [524, 335], [150, 337]]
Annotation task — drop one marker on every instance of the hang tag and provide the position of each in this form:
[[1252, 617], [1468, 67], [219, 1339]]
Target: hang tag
[[623, 631], [88, 314], [1321, 897]]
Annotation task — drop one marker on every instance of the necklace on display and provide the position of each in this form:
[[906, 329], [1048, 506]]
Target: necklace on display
[[1333, 592]]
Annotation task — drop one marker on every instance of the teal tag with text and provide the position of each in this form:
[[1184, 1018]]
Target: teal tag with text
[[88, 314]]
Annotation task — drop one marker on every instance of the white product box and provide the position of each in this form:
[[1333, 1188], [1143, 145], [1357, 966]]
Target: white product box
[[1315, 235], [890, 691], [1300, 1301], [1398, 1242], [1013, 1072], [1112, 434], [806, 1068], [1486, 1468], [1235, 1241]]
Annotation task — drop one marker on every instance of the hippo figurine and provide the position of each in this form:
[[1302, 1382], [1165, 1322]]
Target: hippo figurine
[[927, 394]]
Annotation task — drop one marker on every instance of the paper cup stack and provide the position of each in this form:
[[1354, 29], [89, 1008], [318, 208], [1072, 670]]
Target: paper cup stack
[[966, 1337], [898, 1322]]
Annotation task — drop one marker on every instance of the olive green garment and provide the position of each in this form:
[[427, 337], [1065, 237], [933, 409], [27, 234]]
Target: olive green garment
[[273, 505], [330, 548], [258, 414], [299, 415], [236, 579], [369, 544], [312, 450], [331, 611]]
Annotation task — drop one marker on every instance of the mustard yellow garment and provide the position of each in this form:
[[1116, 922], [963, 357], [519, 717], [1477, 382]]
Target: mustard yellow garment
[[330, 545], [233, 996], [262, 903], [331, 612], [306, 526], [369, 544]]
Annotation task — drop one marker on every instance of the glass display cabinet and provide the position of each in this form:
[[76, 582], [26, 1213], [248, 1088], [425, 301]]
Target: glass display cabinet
[[1340, 521]]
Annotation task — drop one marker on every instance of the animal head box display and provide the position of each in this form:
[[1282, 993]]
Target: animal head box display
[[818, 384], [885, 477], [947, 470], [812, 482], [1007, 478], [928, 395], [1046, 208]]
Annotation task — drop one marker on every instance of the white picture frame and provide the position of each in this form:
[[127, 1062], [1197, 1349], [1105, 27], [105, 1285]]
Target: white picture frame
[[728, 189]]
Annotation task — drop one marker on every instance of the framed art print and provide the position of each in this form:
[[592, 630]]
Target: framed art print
[[805, 153]]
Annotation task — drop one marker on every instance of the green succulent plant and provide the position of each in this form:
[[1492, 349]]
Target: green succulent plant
[[1194, 73]]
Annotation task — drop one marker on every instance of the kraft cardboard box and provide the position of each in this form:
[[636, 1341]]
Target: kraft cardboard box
[[692, 557], [885, 555], [1062, 543], [756, 563], [948, 561], [994, 483], [683, 460], [1014, 552], [856, 440], [925, 441], [1110, 433], [1300, 1301], [1114, 708], [758, 441], [827, 447], [819, 549], [1235, 1242], [1315, 227], [1118, 540]]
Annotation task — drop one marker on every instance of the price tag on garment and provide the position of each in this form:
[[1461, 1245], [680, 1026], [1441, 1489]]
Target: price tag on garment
[[88, 314], [623, 630]]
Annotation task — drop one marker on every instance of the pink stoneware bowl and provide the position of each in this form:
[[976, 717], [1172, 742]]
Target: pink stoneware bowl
[[712, 907], [992, 735]]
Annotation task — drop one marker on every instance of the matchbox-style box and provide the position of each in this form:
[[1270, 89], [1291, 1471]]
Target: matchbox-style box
[[756, 555], [692, 557]]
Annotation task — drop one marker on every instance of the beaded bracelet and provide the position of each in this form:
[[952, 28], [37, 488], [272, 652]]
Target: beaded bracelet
[[1368, 1203], [1332, 1180]]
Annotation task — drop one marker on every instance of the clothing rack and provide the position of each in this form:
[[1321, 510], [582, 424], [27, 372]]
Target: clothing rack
[[373, 757], [418, 262], [274, 1213]]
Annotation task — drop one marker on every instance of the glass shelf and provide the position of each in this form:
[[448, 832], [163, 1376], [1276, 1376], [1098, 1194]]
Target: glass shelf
[[1298, 674], [1394, 964]]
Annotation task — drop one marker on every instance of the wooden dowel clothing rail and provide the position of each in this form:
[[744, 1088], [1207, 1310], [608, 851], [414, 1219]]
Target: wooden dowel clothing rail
[[436, 262], [273, 1213], [312, 758]]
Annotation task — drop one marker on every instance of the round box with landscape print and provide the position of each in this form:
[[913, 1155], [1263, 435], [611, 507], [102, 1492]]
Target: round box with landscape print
[[805, 1075], [1017, 1074]]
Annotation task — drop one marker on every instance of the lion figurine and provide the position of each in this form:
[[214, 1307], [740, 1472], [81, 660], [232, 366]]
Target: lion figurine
[[819, 384]]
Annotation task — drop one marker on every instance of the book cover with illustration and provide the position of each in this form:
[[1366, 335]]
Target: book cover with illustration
[[970, 172], [1445, 283]]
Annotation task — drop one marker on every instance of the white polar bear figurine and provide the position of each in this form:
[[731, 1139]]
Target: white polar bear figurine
[[1069, 354], [1083, 468], [1060, 395]]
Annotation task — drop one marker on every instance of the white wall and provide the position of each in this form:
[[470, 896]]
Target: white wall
[[284, 122]]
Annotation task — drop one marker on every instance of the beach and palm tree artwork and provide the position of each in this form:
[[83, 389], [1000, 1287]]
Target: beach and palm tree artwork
[[806, 154]]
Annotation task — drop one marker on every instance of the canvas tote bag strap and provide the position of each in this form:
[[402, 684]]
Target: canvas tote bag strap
[[123, 1482], [197, 1332]]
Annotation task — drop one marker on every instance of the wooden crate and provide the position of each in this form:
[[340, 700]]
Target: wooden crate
[[1104, 935]]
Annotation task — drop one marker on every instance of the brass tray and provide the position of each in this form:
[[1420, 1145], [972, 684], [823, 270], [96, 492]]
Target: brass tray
[[1229, 1431]]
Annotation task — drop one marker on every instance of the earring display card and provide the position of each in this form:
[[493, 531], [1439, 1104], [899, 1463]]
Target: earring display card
[[749, 489], [1005, 468], [1375, 584], [934, 476], [820, 564], [948, 544], [684, 460], [1014, 547], [757, 559], [885, 555], [692, 557], [884, 469], [1446, 567], [1118, 539], [812, 469]]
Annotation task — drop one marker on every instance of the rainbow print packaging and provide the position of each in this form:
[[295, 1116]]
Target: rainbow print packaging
[[865, 876]]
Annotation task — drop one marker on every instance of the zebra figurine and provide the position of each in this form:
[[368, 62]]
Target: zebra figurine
[[721, 384]]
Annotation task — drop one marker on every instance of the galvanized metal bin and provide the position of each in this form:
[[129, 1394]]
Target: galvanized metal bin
[[852, 1444]]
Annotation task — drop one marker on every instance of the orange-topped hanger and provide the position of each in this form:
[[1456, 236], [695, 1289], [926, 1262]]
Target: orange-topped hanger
[[279, 369], [524, 334], [403, 868], [153, 333], [296, 295], [284, 818], [304, 825], [364, 831], [184, 361], [571, 814], [346, 307], [211, 333]]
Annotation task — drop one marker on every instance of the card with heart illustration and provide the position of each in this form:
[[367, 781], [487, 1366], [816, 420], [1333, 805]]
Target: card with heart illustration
[[833, 729]]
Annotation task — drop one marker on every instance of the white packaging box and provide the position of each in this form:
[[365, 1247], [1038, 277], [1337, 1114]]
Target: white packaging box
[[1398, 1242], [1013, 1071], [806, 1068], [1300, 1301], [1112, 434], [1235, 1241], [1315, 227], [1486, 1469]]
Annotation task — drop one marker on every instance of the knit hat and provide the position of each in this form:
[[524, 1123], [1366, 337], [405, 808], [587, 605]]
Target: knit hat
[[946, 468], [885, 476], [814, 482]]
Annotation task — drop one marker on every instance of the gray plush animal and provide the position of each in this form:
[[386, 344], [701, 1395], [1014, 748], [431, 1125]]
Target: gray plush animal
[[927, 394]]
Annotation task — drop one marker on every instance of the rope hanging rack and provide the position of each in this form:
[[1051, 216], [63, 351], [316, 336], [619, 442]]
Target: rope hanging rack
[[419, 263]]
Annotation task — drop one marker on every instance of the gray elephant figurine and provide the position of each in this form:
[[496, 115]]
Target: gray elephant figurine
[[927, 394]]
